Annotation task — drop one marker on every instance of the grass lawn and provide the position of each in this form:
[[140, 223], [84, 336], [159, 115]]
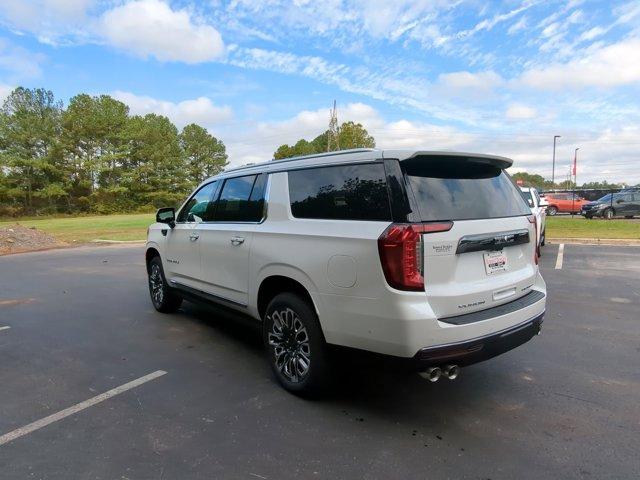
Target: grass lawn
[[134, 227], [86, 229], [578, 227]]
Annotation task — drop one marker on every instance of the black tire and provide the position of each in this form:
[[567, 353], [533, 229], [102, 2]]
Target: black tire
[[608, 213], [164, 298], [628, 216], [295, 345], [589, 217], [552, 210]]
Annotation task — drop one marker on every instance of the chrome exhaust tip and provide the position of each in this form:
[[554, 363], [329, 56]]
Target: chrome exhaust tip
[[432, 374], [451, 371]]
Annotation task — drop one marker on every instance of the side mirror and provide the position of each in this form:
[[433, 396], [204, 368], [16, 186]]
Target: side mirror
[[166, 215]]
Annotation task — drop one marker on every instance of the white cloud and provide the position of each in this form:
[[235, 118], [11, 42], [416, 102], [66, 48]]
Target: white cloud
[[609, 155], [468, 80], [607, 66], [19, 63], [47, 19], [200, 110], [488, 24], [517, 111], [518, 26], [592, 33], [5, 90], [152, 28]]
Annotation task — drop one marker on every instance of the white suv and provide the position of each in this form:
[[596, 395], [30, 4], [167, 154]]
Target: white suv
[[428, 256], [538, 210]]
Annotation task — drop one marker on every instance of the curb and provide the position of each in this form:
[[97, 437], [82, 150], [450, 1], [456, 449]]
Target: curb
[[619, 242], [118, 241]]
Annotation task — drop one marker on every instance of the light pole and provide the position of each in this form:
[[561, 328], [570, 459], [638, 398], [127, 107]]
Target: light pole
[[575, 179], [575, 167], [553, 168]]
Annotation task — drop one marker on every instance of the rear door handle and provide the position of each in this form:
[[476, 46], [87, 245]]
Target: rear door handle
[[193, 237], [237, 240]]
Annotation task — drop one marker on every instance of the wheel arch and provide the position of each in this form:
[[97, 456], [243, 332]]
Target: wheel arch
[[150, 253], [275, 283]]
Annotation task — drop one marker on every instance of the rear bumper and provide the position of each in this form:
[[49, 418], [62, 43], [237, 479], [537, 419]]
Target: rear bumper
[[401, 324], [479, 349]]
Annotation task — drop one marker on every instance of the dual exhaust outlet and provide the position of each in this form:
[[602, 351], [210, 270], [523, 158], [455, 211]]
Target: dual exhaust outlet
[[433, 374]]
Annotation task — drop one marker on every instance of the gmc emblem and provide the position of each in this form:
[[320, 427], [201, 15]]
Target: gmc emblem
[[504, 238]]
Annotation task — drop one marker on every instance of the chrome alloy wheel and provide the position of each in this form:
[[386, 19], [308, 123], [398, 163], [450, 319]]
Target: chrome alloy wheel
[[290, 343], [156, 285]]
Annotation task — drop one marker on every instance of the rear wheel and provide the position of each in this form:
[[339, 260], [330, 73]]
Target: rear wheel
[[295, 345], [608, 214], [552, 210], [164, 298]]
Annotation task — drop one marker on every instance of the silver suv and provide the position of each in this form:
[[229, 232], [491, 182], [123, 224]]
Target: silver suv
[[426, 256]]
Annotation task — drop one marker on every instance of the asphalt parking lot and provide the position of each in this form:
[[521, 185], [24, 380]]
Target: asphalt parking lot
[[565, 405]]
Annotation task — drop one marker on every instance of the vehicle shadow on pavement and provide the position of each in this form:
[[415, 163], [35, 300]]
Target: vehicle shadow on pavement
[[361, 379]]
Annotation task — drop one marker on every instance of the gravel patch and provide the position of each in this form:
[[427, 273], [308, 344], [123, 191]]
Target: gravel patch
[[18, 238]]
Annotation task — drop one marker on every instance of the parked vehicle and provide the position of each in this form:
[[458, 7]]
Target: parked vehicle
[[538, 209], [624, 204], [424, 256], [564, 203]]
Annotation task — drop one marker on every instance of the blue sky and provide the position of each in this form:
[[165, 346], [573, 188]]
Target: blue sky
[[495, 77]]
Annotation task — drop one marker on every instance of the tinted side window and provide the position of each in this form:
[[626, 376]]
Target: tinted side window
[[241, 199], [256, 200], [200, 205], [346, 192]]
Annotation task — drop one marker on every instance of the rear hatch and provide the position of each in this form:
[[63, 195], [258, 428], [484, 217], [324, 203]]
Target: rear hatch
[[487, 257]]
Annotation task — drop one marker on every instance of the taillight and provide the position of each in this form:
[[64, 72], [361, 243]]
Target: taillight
[[536, 253], [400, 247]]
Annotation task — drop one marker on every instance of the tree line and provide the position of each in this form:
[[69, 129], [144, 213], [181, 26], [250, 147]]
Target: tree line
[[350, 135], [541, 183], [94, 156]]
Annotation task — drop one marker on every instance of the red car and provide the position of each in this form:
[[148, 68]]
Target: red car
[[564, 203]]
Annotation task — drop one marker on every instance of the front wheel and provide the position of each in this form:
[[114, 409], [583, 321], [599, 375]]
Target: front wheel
[[295, 345], [552, 210], [163, 297], [608, 214]]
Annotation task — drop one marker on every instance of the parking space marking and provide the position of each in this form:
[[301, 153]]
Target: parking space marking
[[19, 432], [5, 328], [560, 256]]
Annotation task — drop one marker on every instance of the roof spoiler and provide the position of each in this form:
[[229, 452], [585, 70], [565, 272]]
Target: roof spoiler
[[424, 155]]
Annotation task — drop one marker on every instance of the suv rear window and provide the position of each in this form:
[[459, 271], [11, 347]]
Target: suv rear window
[[344, 192], [447, 188]]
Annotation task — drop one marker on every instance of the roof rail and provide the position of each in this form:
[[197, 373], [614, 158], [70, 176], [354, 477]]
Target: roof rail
[[302, 157]]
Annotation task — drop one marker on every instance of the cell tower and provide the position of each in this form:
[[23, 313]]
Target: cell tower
[[332, 135]]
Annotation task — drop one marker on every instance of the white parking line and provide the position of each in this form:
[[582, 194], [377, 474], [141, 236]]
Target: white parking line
[[5, 328], [19, 432], [560, 256]]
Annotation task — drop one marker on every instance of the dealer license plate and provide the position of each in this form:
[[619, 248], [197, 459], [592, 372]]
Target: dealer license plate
[[495, 261]]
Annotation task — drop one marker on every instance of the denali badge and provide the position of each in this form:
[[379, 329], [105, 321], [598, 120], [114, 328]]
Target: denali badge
[[472, 304], [440, 249]]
